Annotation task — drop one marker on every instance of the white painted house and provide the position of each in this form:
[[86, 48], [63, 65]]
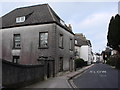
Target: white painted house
[[85, 53], [97, 58], [83, 48]]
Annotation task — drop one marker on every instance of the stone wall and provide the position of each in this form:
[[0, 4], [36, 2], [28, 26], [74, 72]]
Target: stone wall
[[15, 75]]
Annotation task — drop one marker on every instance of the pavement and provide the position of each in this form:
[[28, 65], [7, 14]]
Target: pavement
[[59, 81]]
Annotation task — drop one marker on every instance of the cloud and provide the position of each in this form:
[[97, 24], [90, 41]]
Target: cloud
[[94, 20], [59, 0], [94, 27]]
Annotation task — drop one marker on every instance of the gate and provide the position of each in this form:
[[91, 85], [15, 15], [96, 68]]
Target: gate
[[49, 66]]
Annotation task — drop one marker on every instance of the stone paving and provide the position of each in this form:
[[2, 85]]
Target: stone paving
[[60, 81]]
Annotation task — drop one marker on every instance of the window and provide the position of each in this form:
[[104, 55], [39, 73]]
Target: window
[[76, 42], [16, 40], [20, 19], [70, 44], [61, 41], [61, 64], [43, 40], [16, 59]]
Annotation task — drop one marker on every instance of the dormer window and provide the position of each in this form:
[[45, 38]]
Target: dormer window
[[76, 42], [20, 19]]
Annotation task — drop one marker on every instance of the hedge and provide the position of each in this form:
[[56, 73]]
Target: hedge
[[113, 61], [80, 63], [117, 63]]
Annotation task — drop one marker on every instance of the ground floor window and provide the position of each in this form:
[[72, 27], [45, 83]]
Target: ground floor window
[[61, 64], [16, 59]]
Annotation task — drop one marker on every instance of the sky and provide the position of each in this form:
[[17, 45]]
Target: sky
[[90, 18]]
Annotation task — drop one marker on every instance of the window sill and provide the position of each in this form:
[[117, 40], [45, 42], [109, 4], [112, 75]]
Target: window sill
[[16, 48], [61, 47], [70, 49], [42, 47]]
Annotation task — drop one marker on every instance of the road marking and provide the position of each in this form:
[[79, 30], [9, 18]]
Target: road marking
[[72, 84]]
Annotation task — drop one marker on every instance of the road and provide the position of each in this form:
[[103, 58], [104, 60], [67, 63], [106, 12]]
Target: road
[[98, 76]]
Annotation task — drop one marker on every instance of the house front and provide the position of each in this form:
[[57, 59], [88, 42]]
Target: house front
[[83, 48], [31, 35]]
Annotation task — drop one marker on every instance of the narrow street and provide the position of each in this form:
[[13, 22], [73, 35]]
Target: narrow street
[[98, 76]]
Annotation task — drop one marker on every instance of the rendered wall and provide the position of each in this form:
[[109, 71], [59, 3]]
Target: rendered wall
[[15, 76]]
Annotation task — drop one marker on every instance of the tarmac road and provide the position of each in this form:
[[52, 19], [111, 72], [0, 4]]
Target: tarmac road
[[98, 76]]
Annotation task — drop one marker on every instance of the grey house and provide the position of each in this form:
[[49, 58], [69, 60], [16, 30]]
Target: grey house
[[35, 33]]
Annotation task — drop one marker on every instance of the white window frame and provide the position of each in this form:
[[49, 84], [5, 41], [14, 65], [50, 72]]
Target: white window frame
[[20, 19], [43, 40], [61, 41], [76, 42], [17, 41]]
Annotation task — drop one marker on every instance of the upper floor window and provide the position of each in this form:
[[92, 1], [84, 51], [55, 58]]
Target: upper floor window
[[76, 42], [61, 41], [43, 39], [70, 44], [20, 19], [16, 40]]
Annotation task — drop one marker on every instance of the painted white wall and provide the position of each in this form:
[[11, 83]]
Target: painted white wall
[[90, 56], [95, 57], [85, 53]]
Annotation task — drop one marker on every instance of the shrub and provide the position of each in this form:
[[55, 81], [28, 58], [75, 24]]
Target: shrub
[[111, 61], [117, 63], [79, 62], [114, 61]]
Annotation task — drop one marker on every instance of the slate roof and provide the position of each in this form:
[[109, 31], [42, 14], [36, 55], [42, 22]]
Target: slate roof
[[38, 14], [81, 40]]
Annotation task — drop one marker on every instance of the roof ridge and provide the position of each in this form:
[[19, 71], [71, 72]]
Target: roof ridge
[[31, 6], [50, 12]]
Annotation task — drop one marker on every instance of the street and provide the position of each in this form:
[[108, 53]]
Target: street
[[98, 76]]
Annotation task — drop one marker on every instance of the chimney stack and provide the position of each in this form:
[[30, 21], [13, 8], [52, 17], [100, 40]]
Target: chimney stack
[[70, 27]]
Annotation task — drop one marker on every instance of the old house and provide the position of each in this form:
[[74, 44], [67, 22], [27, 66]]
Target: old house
[[83, 48], [33, 34]]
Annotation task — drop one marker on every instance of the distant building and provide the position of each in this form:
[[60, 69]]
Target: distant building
[[83, 48], [106, 53], [97, 58], [32, 33]]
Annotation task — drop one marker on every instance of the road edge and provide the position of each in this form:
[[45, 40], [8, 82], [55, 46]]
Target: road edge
[[69, 79]]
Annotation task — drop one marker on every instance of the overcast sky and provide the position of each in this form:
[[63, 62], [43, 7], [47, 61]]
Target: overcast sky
[[89, 18]]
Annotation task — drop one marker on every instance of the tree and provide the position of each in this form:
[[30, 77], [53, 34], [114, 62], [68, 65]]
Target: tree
[[114, 33]]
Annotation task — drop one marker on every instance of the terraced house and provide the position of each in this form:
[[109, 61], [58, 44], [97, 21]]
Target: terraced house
[[33, 34], [83, 48]]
